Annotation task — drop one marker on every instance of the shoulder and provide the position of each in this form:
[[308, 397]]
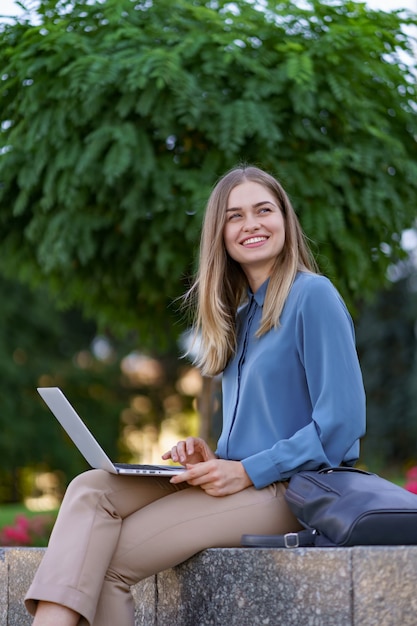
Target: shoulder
[[314, 292], [307, 284]]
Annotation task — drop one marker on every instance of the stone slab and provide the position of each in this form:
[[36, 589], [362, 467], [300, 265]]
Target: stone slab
[[384, 585], [22, 564], [145, 597], [361, 586], [17, 569], [4, 583], [247, 587]]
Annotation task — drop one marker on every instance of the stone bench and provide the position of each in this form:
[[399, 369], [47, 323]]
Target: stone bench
[[361, 586]]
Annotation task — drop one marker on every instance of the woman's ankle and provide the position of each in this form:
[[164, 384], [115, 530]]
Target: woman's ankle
[[52, 614]]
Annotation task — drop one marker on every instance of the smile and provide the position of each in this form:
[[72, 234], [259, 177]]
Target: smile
[[252, 240]]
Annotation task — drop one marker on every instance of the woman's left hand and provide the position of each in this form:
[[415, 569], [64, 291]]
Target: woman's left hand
[[216, 477]]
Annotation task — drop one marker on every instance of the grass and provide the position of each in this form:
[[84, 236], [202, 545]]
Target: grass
[[8, 513]]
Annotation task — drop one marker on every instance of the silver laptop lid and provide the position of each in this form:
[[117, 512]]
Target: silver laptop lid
[[76, 429]]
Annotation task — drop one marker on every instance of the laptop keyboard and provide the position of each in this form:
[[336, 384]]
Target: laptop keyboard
[[144, 467]]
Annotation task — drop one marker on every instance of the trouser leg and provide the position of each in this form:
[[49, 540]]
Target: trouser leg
[[113, 531], [85, 535], [174, 528]]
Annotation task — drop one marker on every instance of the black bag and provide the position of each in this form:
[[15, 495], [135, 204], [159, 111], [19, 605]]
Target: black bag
[[345, 506]]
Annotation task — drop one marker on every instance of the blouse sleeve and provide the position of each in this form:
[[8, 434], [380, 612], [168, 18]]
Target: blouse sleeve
[[326, 347]]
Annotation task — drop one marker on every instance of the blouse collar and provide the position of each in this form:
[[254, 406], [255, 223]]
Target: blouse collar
[[259, 295]]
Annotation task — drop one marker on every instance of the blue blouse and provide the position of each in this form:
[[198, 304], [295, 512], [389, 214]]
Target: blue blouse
[[293, 399]]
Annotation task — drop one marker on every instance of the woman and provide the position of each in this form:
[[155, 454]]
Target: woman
[[293, 399]]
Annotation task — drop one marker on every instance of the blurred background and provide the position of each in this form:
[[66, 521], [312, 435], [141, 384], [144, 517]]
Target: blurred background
[[116, 119]]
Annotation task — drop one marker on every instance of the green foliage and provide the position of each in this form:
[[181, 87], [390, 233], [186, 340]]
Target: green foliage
[[38, 346], [387, 344], [42, 347], [118, 116]]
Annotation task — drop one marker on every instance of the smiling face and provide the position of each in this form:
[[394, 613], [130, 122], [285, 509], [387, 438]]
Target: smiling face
[[254, 232]]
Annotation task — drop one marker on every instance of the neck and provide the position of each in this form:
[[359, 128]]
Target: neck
[[256, 280]]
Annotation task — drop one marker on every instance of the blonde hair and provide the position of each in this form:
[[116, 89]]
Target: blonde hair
[[221, 286]]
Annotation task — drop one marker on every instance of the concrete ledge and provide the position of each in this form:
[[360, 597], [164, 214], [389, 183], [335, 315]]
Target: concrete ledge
[[361, 586]]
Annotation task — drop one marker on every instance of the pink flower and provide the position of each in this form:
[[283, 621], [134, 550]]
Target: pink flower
[[33, 531], [22, 522], [15, 536], [411, 486], [411, 474]]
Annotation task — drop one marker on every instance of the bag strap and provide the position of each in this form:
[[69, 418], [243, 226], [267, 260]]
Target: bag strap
[[301, 539]]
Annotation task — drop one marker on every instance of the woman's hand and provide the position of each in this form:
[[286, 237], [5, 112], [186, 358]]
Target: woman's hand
[[192, 450], [216, 477]]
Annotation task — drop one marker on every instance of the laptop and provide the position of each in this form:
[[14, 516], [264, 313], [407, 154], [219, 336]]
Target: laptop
[[87, 444]]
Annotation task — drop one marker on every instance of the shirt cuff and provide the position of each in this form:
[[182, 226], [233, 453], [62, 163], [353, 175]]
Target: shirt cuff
[[261, 469]]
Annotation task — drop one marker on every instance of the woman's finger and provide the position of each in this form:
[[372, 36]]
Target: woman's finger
[[190, 445]]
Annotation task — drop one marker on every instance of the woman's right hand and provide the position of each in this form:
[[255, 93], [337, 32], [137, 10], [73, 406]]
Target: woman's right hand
[[193, 450]]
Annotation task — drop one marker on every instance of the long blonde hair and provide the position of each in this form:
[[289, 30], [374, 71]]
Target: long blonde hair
[[221, 286]]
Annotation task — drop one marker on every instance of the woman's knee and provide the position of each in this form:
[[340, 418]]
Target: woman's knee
[[91, 480]]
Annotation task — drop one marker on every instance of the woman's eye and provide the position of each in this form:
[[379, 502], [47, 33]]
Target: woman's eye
[[234, 216], [264, 209]]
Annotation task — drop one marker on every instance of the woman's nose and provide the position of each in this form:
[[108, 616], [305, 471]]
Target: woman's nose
[[251, 223]]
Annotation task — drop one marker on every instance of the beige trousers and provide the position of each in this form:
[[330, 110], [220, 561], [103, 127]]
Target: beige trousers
[[113, 531]]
